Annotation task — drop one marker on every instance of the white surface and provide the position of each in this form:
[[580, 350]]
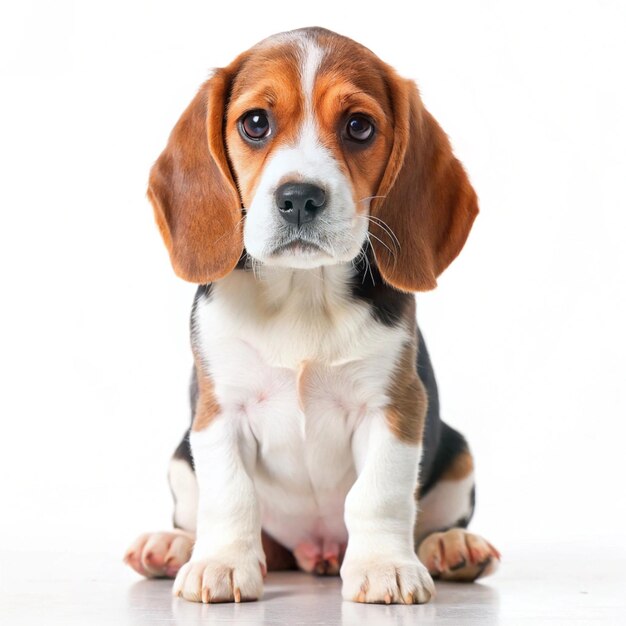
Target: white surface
[[526, 329], [538, 584]]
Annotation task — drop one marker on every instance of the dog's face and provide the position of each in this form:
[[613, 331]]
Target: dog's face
[[308, 133], [302, 149]]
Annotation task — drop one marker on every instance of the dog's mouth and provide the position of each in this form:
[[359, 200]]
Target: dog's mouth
[[298, 247]]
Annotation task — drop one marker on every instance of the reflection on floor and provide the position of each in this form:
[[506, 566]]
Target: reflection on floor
[[534, 585]]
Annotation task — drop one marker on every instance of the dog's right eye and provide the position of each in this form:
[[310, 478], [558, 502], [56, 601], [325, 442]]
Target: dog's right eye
[[255, 125]]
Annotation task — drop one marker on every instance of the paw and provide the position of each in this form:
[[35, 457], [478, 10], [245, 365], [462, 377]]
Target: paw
[[160, 555], [231, 579], [458, 555], [387, 580]]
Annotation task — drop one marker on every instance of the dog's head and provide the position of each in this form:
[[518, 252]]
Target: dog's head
[[301, 150]]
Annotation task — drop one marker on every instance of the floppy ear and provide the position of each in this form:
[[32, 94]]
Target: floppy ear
[[195, 200], [427, 200]]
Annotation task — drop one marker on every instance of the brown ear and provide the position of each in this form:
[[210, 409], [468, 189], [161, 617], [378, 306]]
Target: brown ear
[[195, 200], [427, 200]]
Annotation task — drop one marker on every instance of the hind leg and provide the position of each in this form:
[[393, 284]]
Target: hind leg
[[162, 554], [458, 555], [443, 543]]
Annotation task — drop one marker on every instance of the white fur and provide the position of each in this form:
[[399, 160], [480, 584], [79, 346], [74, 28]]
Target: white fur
[[303, 454], [380, 561], [228, 529], [256, 333], [185, 489], [312, 58]]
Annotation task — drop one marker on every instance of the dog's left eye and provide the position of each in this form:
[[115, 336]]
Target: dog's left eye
[[255, 125], [359, 128]]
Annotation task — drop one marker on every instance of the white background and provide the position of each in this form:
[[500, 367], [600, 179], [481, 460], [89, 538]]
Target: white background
[[526, 329]]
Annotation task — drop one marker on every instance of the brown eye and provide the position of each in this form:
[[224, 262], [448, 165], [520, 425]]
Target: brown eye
[[255, 125], [359, 128]]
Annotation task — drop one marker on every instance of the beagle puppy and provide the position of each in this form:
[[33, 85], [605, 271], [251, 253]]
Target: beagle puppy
[[309, 193]]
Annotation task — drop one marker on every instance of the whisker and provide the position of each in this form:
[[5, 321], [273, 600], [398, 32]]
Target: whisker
[[369, 198], [255, 265], [382, 224], [387, 230], [392, 252], [230, 232], [368, 265]]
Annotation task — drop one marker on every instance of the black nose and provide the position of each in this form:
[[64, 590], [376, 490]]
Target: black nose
[[299, 203]]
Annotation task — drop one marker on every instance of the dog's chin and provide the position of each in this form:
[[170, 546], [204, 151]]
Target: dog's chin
[[299, 255]]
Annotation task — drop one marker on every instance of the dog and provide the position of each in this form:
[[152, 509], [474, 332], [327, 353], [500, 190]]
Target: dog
[[309, 194]]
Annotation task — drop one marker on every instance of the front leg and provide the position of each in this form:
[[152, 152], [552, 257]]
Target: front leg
[[227, 563], [380, 564]]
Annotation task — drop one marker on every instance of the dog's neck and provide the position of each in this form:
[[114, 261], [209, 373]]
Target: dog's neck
[[314, 290], [325, 290]]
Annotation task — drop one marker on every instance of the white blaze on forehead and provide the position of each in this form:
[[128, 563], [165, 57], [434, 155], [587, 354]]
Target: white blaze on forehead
[[314, 159], [312, 56]]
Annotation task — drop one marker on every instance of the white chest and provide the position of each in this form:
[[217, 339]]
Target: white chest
[[299, 364]]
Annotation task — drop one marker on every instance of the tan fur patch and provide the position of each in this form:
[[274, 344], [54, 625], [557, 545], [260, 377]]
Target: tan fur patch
[[304, 374], [406, 413], [462, 466], [207, 407]]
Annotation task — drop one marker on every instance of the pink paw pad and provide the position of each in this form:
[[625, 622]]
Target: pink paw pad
[[160, 554]]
